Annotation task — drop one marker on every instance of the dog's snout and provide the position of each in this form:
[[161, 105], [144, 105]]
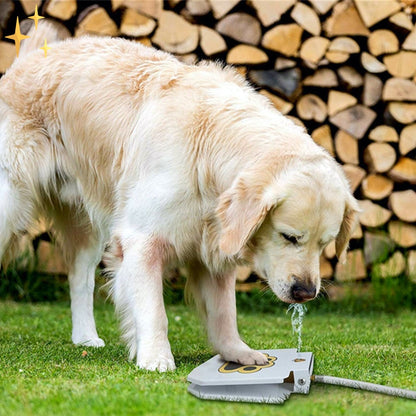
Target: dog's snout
[[303, 292]]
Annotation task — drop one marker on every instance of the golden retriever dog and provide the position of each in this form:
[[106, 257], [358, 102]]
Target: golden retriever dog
[[120, 145]]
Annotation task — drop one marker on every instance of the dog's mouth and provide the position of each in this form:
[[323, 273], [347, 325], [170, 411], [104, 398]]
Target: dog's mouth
[[281, 291]]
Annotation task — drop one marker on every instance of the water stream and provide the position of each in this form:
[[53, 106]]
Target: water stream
[[298, 312]]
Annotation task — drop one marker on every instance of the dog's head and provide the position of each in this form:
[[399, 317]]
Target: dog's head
[[285, 219]]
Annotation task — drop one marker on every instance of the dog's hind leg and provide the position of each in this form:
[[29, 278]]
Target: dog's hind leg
[[81, 278], [16, 217], [138, 296], [6, 211], [82, 250]]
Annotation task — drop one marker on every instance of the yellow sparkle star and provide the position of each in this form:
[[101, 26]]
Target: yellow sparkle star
[[17, 37], [36, 17], [45, 47]]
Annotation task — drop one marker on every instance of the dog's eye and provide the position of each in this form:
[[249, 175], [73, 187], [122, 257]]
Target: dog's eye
[[291, 238]]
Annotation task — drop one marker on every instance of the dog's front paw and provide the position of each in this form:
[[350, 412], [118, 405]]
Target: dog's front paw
[[153, 362], [91, 342], [245, 356]]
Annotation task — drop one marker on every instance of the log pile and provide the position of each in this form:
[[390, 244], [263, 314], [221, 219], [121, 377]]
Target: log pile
[[346, 69]]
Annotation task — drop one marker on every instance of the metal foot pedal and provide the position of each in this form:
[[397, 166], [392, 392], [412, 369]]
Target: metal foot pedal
[[287, 371]]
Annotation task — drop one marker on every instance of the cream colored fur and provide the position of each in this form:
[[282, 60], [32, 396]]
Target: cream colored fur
[[119, 144]]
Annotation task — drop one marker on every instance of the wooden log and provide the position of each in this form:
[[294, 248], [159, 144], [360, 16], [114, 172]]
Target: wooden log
[[135, 24], [188, 58], [393, 267], [49, 259], [407, 139], [297, 121], [284, 63], [377, 187], [354, 120], [401, 64], [373, 12], [313, 49], [29, 6], [286, 82], [338, 101], [284, 39], [357, 233], [246, 54], [283, 106], [152, 8], [344, 44], [410, 42], [311, 107], [377, 246], [399, 89], [404, 113], [403, 234], [95, 21], [243, 273], [402, 20], [330, 251], [346, 147], [24, 252], [353, 269], [403, 204], [337, 57], [211, 41], [246, 287], [324, 77], [373, 215], [411, 265], [145, 41], [322, 6], [242, 70], [307, 18], [379, 157], [62, 9], [241, 27], [345, 20], [350, 76], [372, 64], [404, 170], [7, 54], [354, 174], [384, 133], [409, 6], [198, 7], [6, 11], [372, 90], [269, 12], [325, 268], [174, 34], [322, 136], [382, 41], [221, 7]]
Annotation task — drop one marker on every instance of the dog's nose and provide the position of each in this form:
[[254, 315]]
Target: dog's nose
[[303, 292]]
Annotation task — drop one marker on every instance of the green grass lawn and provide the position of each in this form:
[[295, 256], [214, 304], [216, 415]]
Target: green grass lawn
[[42, 373]]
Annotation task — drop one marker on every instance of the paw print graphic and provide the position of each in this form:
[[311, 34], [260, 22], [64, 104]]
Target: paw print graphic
[[230, 367]]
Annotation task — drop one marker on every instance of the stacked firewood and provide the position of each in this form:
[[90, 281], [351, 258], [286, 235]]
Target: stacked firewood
[[345, 69]]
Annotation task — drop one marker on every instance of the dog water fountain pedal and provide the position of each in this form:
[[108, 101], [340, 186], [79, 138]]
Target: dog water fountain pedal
[[287, 371]]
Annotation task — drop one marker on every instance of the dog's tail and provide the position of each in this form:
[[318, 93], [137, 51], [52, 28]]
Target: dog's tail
[[47, 29]]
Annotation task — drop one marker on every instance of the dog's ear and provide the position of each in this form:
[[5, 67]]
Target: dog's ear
[[348, 225], [242, 209]]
